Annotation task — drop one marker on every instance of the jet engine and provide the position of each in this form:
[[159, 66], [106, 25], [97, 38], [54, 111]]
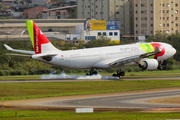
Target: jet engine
[[149, 64]]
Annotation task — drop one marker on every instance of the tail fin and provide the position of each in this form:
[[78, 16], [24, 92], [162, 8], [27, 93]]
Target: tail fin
[[39, 41]]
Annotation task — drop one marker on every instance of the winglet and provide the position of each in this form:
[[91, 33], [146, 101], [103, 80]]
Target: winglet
[[8, 47]]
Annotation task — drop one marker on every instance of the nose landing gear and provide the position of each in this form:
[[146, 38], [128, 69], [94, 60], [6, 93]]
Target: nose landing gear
[[160, 65]]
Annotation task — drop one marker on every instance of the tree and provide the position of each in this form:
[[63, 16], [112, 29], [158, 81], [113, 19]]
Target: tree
[[101, 41], [173, 39], [159, 36]]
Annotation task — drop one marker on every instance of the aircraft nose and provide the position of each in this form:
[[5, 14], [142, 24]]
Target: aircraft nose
[[173, 51]]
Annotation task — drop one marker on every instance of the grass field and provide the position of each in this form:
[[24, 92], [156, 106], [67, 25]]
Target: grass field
[[172, 73], [54, 115], [13, 91]]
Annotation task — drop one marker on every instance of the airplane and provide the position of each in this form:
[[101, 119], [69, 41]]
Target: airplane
[[148, 56]]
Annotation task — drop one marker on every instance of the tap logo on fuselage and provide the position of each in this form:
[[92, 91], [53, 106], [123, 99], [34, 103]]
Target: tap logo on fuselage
[[151, 47]]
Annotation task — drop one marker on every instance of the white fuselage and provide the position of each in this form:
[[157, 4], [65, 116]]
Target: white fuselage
[[101, 57]]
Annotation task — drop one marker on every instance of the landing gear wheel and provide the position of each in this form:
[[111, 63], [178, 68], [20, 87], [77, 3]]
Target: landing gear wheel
[[122, 73], [160, 67], [92, 72], [114, 75], [119, 74], [95, 73]]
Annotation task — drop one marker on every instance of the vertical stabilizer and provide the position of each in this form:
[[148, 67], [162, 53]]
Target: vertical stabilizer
[[39, 41]]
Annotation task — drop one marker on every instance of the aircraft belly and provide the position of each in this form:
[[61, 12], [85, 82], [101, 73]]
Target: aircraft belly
[[76, 63], [83, 63]]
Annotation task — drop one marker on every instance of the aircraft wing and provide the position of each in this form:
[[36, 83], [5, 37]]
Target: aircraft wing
[[136, 58], [20, 51]]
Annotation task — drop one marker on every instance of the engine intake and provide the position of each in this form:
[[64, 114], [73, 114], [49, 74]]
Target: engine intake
[[149, 64]]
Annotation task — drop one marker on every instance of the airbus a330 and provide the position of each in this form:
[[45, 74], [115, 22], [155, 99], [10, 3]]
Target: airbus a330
[[148, 55]]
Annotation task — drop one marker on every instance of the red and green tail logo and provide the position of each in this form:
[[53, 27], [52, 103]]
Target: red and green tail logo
[[36, 35]]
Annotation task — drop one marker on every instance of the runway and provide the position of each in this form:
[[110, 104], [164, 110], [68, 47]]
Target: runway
[[133, 100], [74, 80]]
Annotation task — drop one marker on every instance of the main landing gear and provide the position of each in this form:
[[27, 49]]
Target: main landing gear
[[92, 72], [160, 65], [119, 74]]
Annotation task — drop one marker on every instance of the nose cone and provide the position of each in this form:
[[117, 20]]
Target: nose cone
[[169, 52], [173, 51]]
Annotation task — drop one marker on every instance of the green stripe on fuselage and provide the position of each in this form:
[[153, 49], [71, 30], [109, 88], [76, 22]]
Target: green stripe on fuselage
[[29, 25], [148, 48]]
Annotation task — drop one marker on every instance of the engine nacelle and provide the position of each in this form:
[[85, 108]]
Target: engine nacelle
[[149, 64]]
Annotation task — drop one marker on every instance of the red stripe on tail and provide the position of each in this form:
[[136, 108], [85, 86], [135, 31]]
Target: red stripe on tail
[[39, 39]]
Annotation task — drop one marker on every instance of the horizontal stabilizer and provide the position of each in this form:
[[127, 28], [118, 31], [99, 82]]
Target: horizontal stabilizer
[[20, 51], [8, 47], [18, 55]]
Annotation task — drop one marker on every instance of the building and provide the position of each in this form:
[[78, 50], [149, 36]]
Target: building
[[95, 28], [119, 10], [143, 18], [15, 14], [55, 2], [167, 16], [59, 13], [156, 15], [137, 18], [55, 29], [8, 1], [49, 15], [35, 12], [39, 2], [68, 2]]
